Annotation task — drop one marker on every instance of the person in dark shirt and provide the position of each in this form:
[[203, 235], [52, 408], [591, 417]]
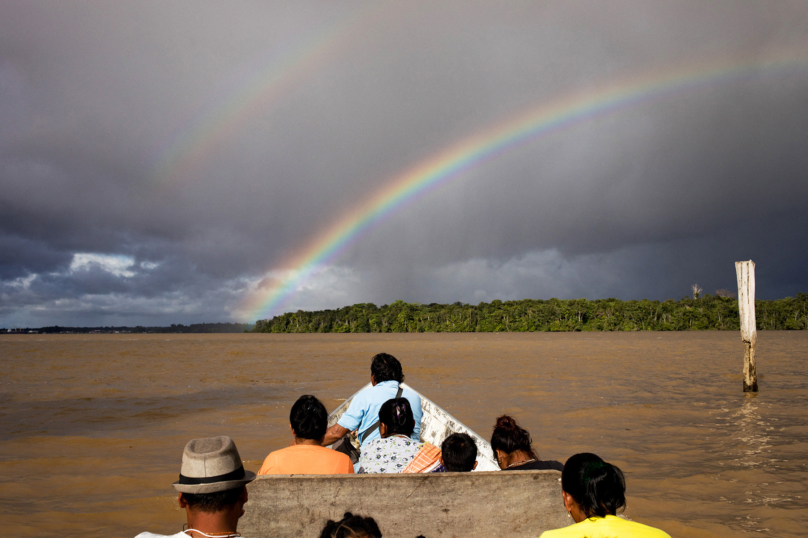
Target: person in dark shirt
[[513, 448]]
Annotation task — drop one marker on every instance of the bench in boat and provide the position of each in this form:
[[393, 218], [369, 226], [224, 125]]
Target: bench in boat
[[487, 502], [514, 503]]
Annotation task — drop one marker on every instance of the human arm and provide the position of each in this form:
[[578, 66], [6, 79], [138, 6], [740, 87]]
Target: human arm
[[334, 434], [348, 422]]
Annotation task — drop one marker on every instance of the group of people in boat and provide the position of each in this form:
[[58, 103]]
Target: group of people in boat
[[385, 420]]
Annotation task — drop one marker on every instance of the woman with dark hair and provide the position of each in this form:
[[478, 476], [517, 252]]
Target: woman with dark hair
[[593, 492], [308, 421], [513, 448], [351, 526], [395, 450]]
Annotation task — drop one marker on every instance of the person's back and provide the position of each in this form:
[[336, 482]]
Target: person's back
[[395, 449], [306, 459], [459, 453], [363, 412], [308, 420], [608, 526], [370, 402]]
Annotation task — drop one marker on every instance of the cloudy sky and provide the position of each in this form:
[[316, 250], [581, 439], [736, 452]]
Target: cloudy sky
[[168, 162]]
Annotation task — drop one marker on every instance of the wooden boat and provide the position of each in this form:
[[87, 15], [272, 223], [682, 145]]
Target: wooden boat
[[436, 425], [483, 503]]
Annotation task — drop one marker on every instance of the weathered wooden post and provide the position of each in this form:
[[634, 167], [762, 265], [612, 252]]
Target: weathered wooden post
[[746, 306]]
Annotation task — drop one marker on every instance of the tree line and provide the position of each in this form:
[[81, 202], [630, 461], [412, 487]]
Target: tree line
[[688, 314]]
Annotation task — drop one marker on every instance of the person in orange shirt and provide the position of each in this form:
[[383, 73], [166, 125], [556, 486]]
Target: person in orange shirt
[[308, 421]]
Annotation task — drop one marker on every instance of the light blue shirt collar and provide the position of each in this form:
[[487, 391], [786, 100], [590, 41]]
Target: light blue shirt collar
[[388, 383]]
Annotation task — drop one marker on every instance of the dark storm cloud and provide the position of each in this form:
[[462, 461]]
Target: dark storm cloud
[[637, 203]]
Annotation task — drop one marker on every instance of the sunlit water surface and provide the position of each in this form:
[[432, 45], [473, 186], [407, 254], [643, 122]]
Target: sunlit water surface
[[92, 426]]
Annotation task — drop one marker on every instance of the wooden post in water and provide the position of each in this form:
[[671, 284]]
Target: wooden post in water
[[746, 306]]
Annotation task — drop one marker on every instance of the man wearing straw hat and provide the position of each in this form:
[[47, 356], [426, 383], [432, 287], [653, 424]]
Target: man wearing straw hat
[[212, 488]]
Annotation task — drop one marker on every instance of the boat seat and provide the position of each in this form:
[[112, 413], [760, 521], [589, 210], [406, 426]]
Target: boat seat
[[513, 503]]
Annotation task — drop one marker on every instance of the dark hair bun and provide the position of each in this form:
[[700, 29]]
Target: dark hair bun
[[507, 422], [509, 437]]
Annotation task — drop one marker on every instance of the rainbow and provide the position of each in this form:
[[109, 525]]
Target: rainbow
[[449, 164], [279, 74]]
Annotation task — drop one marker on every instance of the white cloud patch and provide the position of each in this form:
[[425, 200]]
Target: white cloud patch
[[117, 265], [328, 287], [22, 282], [58, 299]]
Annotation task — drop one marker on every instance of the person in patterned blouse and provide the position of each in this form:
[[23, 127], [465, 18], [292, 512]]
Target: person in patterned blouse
[[395, 449]]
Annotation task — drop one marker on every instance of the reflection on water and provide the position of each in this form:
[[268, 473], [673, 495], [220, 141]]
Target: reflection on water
[[92, 426]]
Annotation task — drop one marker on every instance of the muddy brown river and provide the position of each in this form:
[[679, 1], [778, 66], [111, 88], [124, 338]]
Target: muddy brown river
[[92, 426]]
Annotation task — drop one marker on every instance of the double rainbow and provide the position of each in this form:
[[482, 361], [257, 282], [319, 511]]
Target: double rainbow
[[280, 72], [450, 163]]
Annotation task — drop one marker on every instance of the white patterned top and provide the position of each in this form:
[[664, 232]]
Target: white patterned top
[[390, 455]]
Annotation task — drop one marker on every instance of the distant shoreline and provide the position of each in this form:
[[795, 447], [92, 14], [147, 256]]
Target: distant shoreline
[[196, 328], [718, 313], [711, 313]]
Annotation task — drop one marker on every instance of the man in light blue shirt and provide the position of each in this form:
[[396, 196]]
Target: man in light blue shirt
[[363, 412]]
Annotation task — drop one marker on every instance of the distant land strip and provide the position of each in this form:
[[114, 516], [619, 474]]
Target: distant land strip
[[139, 329], [710, 312]]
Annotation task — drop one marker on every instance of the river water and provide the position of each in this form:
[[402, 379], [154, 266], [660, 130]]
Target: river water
[[92, 426]]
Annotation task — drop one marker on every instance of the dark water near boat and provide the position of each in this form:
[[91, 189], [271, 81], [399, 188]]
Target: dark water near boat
[[92, 426]]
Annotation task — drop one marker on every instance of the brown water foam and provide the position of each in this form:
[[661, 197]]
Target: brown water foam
[[92, 426]]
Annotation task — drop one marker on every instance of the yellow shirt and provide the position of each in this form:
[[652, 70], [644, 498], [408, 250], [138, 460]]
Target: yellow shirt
[[606, 527], [306, 459]]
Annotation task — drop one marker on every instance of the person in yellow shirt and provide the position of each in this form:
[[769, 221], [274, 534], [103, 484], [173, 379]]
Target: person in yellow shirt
[[593, 492], [308, 421]]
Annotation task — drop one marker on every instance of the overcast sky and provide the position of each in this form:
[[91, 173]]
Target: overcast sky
[[160, 161]]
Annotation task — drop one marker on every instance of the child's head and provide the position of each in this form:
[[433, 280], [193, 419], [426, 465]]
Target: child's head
[[396, 417], [459, 453], [351, 526]]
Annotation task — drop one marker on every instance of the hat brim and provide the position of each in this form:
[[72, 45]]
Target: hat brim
[[214, 487]]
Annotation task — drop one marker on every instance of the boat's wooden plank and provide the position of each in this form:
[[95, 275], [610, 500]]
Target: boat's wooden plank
[[436, 425], [516, 504]]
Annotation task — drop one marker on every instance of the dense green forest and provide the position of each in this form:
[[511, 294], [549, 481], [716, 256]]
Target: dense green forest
[[705, 313]]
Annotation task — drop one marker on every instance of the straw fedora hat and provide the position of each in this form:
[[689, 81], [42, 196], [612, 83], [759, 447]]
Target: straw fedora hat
[[211, 464]]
